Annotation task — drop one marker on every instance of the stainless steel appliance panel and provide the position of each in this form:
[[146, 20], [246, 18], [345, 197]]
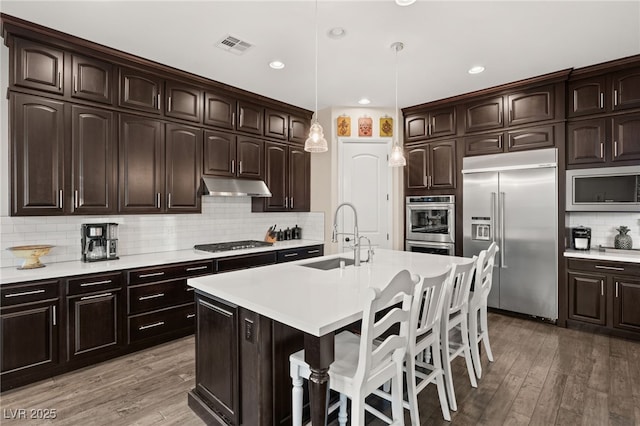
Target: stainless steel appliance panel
[[446, 249], [528, 231], [431, 219]]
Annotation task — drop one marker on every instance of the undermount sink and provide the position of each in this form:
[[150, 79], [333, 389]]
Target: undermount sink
[[328, 264]]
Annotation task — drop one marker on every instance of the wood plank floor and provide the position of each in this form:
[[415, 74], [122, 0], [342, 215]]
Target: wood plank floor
[[542, 375]]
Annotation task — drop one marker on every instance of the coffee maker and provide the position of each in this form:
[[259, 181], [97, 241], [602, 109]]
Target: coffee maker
[[581, 237], [99, 241]]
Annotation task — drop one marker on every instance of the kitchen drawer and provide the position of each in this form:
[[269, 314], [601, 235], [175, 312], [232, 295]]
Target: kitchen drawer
[[243, 262], [150, 297], [300, 253], [619, 268], [167, 272], [93, 283], [154, 324], [11, 295]]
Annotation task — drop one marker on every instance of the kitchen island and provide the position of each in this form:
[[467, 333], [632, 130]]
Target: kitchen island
[[249, 321]]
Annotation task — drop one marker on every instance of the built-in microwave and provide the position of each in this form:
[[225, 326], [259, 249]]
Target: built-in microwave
[[614, 189]]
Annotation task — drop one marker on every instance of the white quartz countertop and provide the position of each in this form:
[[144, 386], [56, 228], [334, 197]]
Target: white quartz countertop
[[313, 300], [66, 269], [613, 255]]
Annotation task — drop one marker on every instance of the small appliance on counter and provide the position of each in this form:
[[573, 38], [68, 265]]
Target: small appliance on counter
[[581, 238], [99, 241]]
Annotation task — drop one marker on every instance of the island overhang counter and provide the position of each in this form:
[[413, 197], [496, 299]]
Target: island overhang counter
[[314, 302]]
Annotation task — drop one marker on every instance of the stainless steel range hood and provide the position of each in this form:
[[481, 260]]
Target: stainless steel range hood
[[231, 187]]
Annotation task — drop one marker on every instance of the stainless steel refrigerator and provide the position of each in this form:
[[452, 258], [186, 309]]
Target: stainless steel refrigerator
[[512, 199]]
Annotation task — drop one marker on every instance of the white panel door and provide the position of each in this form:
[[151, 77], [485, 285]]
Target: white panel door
[[365, 182]]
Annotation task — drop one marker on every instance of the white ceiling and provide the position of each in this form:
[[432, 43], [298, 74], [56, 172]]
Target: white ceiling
[[443, 39]]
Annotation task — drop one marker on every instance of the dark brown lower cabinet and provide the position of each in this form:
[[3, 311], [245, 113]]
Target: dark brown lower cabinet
[[605, 296], [30, 320]]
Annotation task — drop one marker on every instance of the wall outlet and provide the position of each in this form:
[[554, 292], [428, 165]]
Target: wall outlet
[[248, 330]]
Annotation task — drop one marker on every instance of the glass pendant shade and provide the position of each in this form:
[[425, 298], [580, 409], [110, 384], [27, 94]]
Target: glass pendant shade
[[397, 157], [316, 141]]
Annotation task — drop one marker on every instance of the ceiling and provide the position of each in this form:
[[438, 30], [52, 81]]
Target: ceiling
[[513, 40]]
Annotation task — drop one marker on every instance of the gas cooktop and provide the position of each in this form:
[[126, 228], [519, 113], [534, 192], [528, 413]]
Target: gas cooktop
[[231, 245]]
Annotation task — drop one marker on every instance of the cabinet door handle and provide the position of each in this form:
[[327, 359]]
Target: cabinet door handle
[[291, 202], [601, 100], [158, 101], [286, 202], [612, 268], [24, 293], [95, 283], [54, 315], [189, 316], [428, 129], [615, 149], [617, 284], [96, 296], [157, 324], [233, 166], [169, 200], [233, 118], [157, 200], [152, 296], [169, 104], [510, 116], [60, 199], [313, 251], [75, 84], [424, 182], [240, 167], [217, 309], [75, 199], [59, 80], [601, 288], [155, 274], [196, 268], [601, 149], [615, 97], [291, 255], [190, 289]]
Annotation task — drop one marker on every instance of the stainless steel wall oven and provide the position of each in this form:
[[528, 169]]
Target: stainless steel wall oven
[[430, 224]]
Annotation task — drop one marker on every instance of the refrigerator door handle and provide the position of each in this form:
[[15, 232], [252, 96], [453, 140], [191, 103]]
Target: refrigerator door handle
[[502, 248], [494, 212]]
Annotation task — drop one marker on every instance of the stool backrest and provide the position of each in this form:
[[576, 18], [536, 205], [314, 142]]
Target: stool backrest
[[426, 310], [461, 276], [394, 325], [484, 272]]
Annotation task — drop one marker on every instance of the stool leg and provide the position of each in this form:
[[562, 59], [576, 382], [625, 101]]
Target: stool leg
[[485, 331], [342, 413], [446, 366], [467, 353], [442, 393], [412, 393], [473, 341], [296, 400]]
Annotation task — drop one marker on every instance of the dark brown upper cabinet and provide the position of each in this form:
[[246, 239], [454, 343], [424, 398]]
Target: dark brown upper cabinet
[[220, 111], [586, 140], [183, 170], [484, 114], [626, 138], [219, 154], [430, 124], [92, 79], [94, 161], [37, 155], [588, 96], [276, 124], [37, 66], [492, 143], [250, 155], [141, 160], [531, 105], [626, 89], [183, 101], [298, 129], [250, 118], [538, 137], [431, 166], [141, 91]]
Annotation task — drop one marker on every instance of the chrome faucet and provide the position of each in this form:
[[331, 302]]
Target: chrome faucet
[[356, 237]]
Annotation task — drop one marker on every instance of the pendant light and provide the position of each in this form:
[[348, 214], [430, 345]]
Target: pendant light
[[397, 155], [316, 141]]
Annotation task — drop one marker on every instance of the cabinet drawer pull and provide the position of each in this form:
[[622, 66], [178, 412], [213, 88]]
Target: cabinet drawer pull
[[196, 268], [217, 309], [612, 268], [157, 324], [190, 289], [189, 316], [601, 288], [95, 283], [291, 255], [153, 296], [24, 293], [601, 100], [96, 296], [617, 284], [155, 274], [313, 251]]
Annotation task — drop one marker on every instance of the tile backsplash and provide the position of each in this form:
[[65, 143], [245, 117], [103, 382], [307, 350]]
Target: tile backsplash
[[222, 219], [603, 226]]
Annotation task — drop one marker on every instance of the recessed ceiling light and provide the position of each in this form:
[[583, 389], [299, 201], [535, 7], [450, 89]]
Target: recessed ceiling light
[[364, 101], [337, 32], [405, 2], [276, 65], [476, 70]]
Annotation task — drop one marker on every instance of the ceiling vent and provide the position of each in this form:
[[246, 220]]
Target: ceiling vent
[[234, 45]]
